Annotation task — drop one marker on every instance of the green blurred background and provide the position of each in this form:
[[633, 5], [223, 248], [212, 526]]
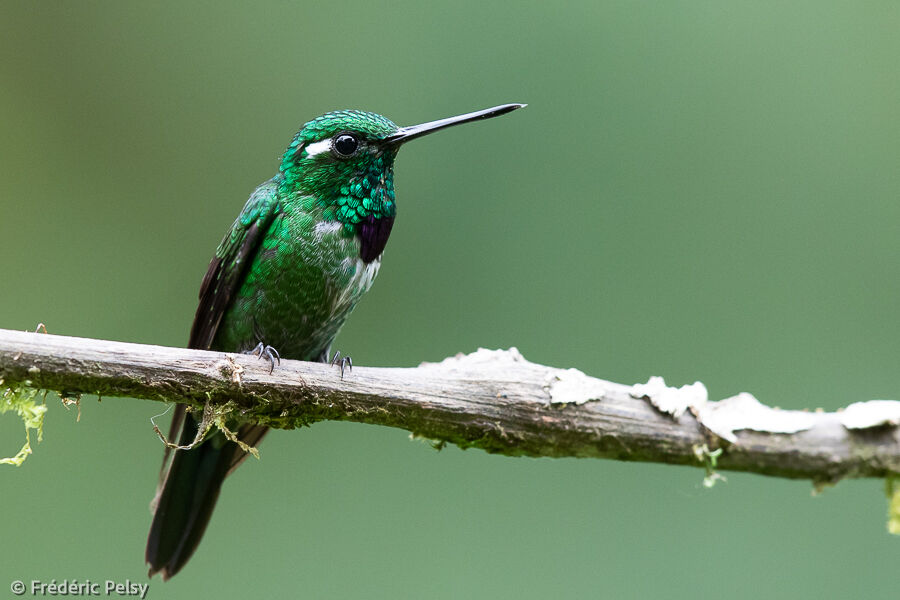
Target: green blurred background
[[698, 190]]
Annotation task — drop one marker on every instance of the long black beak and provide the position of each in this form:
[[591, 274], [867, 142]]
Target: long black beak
[[404, 134]]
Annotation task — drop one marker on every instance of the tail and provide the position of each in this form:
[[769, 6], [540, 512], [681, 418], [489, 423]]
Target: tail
[[189, 490]]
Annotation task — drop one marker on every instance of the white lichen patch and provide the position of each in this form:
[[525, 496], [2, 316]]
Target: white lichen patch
[[671, 400], [479, 358], [571, 386], [744, 411], [873, 413], [723, 418]]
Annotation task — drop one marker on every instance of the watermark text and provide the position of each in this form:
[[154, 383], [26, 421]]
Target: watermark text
[[74, 587]]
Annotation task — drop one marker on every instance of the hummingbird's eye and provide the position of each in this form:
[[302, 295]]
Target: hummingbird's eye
[[345, 145]]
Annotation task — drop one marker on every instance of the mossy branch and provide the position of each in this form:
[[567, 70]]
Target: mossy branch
[[493, 400]]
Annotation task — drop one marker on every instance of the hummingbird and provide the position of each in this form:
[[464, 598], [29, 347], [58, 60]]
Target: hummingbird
[[303, 251]]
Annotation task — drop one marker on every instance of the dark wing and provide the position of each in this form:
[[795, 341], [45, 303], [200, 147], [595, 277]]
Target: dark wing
[[227, 268], [222, 280], [190, 480]]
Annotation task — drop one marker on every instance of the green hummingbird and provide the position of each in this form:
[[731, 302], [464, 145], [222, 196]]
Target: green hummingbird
[[297, 260]]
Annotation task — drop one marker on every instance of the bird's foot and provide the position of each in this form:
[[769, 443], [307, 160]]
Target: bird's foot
[[345, 362], [271, 354]]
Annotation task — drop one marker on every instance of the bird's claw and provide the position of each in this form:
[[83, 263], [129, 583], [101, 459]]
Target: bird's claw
[[269, 352], [345, 362]]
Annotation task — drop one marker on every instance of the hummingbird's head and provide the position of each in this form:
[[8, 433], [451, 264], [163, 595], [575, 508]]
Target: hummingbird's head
[[343, 164]]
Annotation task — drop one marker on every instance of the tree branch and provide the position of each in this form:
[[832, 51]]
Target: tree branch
[[493, 400]]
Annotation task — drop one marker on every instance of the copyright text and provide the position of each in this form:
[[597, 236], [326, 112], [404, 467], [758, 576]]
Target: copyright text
[[74, 587]]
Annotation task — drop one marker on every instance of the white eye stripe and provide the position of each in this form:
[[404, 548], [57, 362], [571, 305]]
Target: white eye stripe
[[319, 147]]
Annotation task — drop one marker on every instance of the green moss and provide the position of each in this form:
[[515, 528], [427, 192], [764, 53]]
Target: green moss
[[709, 458], [29, 403], [892, 489], [436, 444]]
